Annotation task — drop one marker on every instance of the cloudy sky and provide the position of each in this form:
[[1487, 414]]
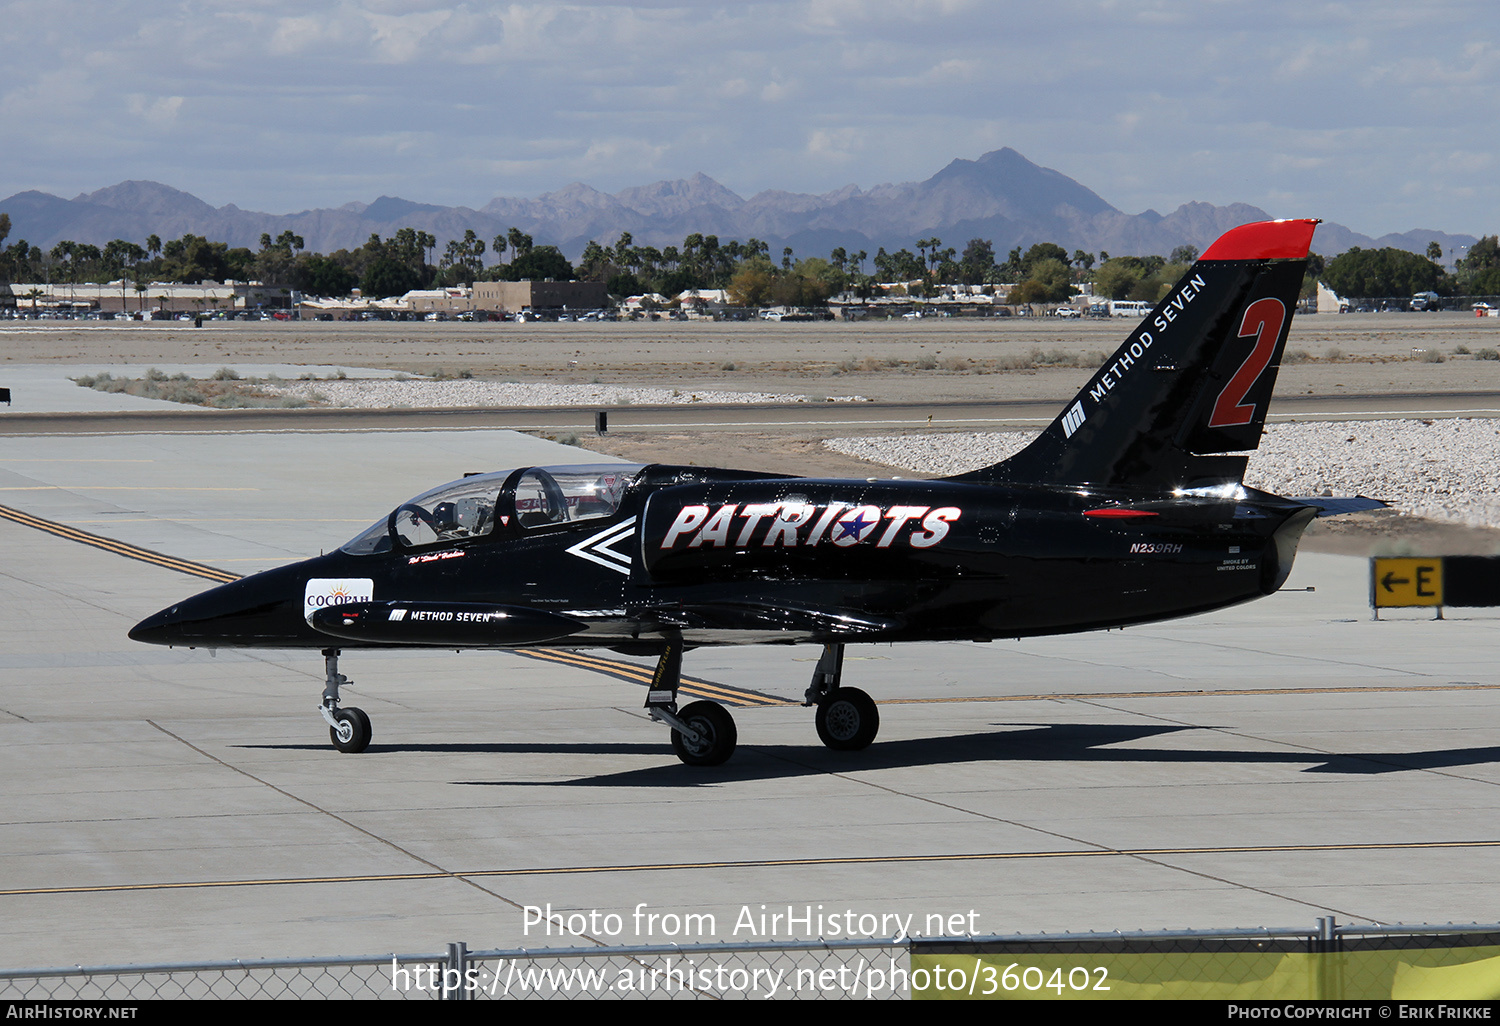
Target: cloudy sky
[[1383, 116]]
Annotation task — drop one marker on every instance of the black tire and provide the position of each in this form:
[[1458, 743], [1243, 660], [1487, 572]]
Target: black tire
[[848, 720], [352, 735], [716, 725]]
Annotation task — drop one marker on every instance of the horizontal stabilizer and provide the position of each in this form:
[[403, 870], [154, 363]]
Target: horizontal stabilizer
[[1331, 506]]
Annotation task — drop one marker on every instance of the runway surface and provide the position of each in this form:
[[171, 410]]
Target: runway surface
[[1265, 765], [832, 418]]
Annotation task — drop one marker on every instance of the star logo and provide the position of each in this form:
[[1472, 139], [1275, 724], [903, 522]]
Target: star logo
[[854, 526]]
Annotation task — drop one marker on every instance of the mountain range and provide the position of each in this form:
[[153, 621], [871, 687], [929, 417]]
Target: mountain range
[[1002, 197]]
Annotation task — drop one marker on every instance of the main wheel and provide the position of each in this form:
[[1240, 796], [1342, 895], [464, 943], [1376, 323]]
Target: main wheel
[[847, 720], [353, 732], [716, 726]]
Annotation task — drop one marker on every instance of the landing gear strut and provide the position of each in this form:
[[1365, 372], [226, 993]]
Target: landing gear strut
[[847, 718], [349, 729], [703, 733]]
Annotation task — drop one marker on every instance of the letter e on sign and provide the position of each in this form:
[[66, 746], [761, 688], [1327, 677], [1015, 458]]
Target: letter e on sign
[[1402, 582]]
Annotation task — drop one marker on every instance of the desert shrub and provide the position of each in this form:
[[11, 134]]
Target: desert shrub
[[180, 392]]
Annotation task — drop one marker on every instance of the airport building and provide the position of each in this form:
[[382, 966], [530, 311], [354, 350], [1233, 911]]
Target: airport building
[[126, 297], [515, 296], [443, 301]]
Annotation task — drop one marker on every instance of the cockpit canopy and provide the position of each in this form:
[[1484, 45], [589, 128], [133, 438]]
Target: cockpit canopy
[[481, 504]]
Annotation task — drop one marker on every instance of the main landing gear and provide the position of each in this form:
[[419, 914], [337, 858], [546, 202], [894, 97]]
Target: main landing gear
[[847, 719], [703, 733], [349, 729]]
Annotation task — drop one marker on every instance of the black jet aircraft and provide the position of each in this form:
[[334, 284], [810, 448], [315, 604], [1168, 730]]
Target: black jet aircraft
[[1129, 508]]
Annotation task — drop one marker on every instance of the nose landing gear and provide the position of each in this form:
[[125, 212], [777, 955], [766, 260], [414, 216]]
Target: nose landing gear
[[348, 729]]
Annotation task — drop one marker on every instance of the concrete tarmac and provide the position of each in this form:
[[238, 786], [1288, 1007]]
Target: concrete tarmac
[[1265, 765]]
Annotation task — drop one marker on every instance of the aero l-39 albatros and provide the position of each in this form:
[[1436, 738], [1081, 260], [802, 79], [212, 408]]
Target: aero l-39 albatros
[[1128, 509]]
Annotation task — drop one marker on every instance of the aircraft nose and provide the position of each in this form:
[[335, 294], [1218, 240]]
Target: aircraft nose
[[161, 628], [262, 610], [193, 621]]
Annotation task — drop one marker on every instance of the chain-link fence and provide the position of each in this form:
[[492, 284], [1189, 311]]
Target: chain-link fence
[[806, 969], [1326, 962], [367, 977]]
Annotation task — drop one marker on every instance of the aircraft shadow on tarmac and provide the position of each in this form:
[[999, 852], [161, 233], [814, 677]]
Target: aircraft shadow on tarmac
[[1071, 742]]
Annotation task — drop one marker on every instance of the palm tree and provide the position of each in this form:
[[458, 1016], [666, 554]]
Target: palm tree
[[622, 249], [473, 250], [63, 253]]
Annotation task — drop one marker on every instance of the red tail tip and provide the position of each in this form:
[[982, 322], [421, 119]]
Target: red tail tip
[[1265, 240]]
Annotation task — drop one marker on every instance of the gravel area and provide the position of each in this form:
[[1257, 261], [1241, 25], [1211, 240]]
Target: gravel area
[[427, 394], [1442, 469]]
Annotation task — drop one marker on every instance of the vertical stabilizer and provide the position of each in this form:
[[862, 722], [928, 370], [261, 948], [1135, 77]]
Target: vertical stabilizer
[[1190, 383]]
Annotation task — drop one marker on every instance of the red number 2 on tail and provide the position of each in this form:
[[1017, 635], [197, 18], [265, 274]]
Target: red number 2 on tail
[[1263, 320]]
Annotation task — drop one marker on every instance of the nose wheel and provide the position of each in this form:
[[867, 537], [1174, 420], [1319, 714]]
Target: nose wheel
[[352, 731]]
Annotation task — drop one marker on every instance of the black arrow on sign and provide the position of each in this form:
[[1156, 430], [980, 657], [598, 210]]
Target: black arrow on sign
[[1390, 578]]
